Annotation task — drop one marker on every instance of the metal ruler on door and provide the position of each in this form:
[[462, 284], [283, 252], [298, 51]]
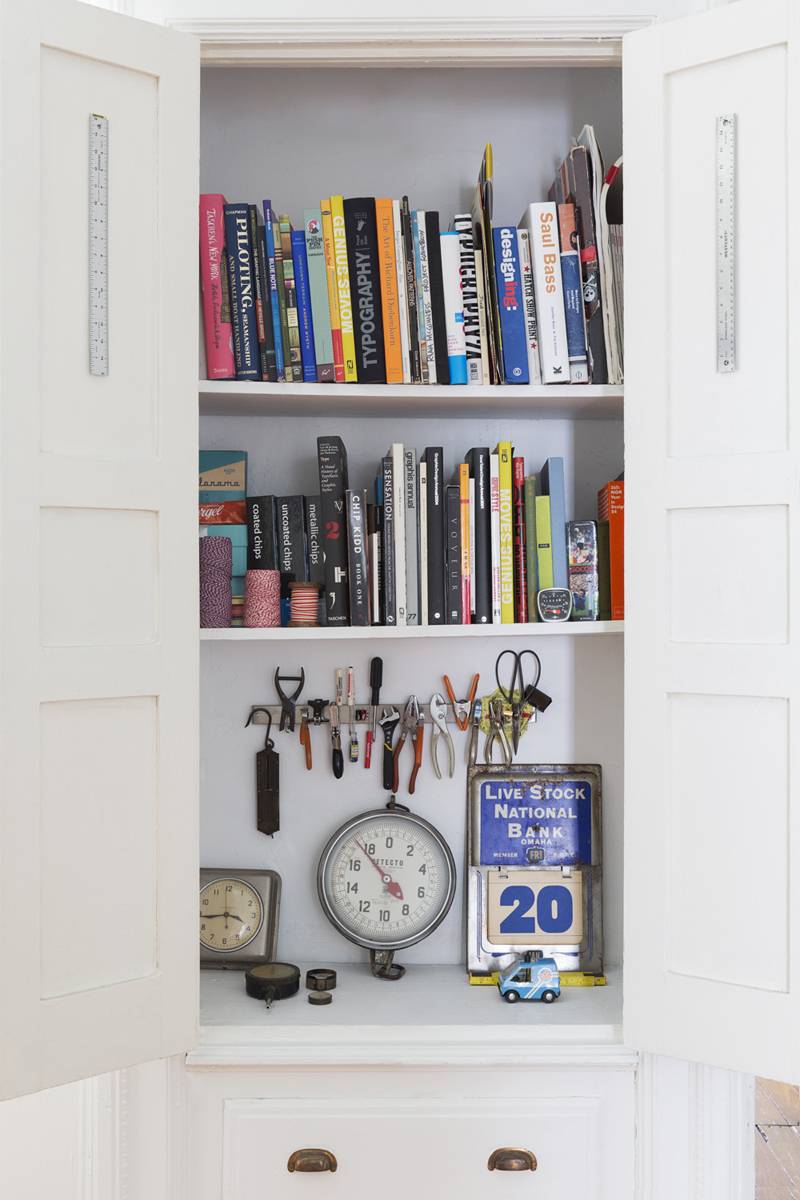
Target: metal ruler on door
[[726, 242], [98, 244]]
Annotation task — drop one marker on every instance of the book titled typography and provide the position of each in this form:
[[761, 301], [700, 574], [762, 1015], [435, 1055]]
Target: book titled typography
[[343, 289], [241, 285], [365, 286], [453, 308], [214, 284], [318, 287], [573, 295], [305, 320], [462, 224], [332, 463], [541, 222], [357, 565], [511, 304]]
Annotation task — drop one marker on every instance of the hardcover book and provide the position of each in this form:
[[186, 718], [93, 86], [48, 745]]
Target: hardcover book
[[390, 302], [505, 453], [332, 462], [241, 285], [343, 287], [520, 543], [261, 534], [333, 290], [365, 285], [573, 295], [306, 323], [454, 555], [511, 305], [541, 222], [388, 542], [479, 465], [434, 461], [357, 557], [552, 485], [453, 308], [531, 328], [272, 281], [318, 287], [217, 328], [290, 520], [433, 245], [290, 292], [462, 224]]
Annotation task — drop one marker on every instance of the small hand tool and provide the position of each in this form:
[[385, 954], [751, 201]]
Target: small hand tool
[[351, 705], [438, 710], [514, 688], [412, 726], [388, 721], [461, 708], [337, 758], [476, 713], [375, 681], [288, 702], [497, 734]]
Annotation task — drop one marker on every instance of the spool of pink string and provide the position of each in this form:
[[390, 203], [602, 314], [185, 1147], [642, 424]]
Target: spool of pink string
[[215, 582], [262, 599]]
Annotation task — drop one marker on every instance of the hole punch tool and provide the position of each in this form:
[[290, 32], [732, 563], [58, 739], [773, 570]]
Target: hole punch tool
[[375, 681], [475, 717], [438, 711], [389, 720], [514, 689], [461, 708], [497, 735], [288, 702], [411, 726]]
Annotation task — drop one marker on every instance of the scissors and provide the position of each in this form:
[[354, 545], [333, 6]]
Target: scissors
[[515, 690]]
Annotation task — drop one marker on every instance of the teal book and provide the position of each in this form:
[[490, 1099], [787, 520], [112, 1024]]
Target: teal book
[[318, 285]]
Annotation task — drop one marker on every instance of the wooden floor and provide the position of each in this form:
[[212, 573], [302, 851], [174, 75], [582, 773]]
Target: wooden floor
[[777, 1141]]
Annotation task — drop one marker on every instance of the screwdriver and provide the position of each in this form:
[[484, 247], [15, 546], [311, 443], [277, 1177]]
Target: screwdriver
[[375, 681]]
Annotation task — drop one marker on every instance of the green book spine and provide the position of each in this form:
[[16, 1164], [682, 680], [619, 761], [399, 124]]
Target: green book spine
[[318, 286], [532, 565], [288, 375], [604, 571], [290, 291], [544, 543]]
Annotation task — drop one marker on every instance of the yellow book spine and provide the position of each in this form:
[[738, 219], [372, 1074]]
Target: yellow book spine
[[505, 453], [333, 290], [343, 287]]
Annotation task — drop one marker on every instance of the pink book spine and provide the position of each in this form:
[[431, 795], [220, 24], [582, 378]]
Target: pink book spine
[[213, 283]]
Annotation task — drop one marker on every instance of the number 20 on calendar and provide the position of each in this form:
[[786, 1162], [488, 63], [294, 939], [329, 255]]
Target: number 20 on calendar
[[534, 908]]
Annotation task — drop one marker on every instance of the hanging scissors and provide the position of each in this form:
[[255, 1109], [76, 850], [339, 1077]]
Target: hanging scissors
[[515, 689]]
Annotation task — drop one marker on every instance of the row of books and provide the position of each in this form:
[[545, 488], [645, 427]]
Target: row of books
[[418, 549], [371, 291]]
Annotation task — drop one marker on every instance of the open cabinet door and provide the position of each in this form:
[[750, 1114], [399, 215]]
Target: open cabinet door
[[98, 610], [712, 914]]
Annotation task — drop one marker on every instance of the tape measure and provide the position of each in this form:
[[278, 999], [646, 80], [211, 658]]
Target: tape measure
[[98, 245], [726, 243]]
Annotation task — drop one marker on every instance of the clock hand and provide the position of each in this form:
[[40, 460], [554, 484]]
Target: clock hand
[[393, 888]]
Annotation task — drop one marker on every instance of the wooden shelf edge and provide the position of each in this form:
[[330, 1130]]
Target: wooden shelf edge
[[414, 632]]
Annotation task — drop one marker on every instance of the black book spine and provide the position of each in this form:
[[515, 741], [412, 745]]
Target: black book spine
[[332, 462], [411, 291], [357, 557], [434, 457], [261, 539], [268, 363], [479, 464], [453, 542], [387, 544], [361, 231], [291, 522], [437, 296]]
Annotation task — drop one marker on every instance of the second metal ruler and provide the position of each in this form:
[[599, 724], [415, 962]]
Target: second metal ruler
[[726, 242], [98, 245]]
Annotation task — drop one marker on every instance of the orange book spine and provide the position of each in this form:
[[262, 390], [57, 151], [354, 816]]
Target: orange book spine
[[466, 557], [333, 291], [611, 508], [387, 262]]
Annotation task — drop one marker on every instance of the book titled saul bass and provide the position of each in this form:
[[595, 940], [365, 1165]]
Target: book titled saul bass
[[365, 286]]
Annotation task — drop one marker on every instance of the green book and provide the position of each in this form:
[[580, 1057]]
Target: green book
[[603, 571], [318, 286], [531, 563], [544, 542]]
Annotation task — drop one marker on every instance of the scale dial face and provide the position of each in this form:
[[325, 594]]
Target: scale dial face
[[386, 879], [231, 915]]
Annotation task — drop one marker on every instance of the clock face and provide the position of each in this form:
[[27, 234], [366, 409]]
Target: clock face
[[386, 879], [231, 914]]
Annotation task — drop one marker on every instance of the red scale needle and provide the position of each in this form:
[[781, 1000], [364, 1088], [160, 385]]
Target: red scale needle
[[394, 889]]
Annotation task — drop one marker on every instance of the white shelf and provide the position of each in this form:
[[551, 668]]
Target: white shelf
[[227, 397], [413, 632], [430, 1016]]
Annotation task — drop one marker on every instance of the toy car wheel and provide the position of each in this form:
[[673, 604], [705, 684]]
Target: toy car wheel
[[548, 997], [512, 997]]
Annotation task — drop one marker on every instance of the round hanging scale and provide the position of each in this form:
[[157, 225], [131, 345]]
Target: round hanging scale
[[386, 880]]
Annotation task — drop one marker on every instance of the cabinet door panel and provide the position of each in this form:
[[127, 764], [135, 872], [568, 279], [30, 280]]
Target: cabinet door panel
[[712, 955], [98, 604]]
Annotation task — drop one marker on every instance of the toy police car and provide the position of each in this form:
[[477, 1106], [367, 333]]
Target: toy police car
[[530, 979]]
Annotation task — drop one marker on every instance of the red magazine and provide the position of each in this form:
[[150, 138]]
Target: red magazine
[[520, 568]]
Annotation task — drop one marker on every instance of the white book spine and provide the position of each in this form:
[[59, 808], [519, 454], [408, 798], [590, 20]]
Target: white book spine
[[526, 269], [422, 542], [471, 550], [398, 497], [411, 502], [494, 493], [427, 302], [402, 290], [482, 320], [541, 222]]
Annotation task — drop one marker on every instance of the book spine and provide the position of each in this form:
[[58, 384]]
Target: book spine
[[462, 224], [531, 330], [290, 291], [390, 302], [318, 286], [422, 541], [402, 291], [420, 299], [220, 363], [511, 305], [553, 485], [611, 508], [305, 319], [520, 558], [343, 289], [583, 578], [399, 512], [365, 285], [479, 462], [242, 291], [389, 578], [261, 536], [463, 495], [357, 557], [433, 242], [454, 554], [483, 320], [434, 458], [411, 293], [542, 225], [505, 454], [453, 308], [374, 548], [424, 285], [531, 570], [544, 549], [333, 290], [288, 370], [332, 463], [581, 191], [316, 554], [603, 571], [412, 536], [573, 295], [494, 499], [292, 556], [272, 280]]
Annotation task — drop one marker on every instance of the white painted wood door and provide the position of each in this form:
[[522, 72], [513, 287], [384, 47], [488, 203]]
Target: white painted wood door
[[99, 628], [712, 856]]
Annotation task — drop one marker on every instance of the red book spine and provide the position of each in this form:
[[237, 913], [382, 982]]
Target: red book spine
[[520, 565]]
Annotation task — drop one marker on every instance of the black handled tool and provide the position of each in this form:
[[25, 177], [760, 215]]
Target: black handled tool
[[375, 682], [288, 702], [389, 720]]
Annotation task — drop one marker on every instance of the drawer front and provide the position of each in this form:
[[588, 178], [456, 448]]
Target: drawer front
[[402, 1148]]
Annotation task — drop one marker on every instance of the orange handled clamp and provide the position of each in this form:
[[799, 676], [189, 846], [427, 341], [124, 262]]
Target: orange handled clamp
[[462, 708]]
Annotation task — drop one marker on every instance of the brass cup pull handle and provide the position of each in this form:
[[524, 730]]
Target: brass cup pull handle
[[312, 1160], [508, 1158]]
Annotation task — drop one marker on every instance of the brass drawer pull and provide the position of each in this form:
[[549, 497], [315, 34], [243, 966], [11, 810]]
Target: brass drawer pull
[[312, 1160], [509, 1159]]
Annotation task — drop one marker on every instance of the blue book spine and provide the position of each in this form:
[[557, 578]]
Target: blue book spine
[[273, 288], [242, 285], [552, 484], [511, 304], [307, 353]]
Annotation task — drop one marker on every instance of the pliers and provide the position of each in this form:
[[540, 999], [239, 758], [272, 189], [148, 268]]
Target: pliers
[[461, 708], [497, 734], [438, 710], [412, 726]]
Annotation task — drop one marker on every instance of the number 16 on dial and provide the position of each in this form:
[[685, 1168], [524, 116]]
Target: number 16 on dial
[[536, 908]]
